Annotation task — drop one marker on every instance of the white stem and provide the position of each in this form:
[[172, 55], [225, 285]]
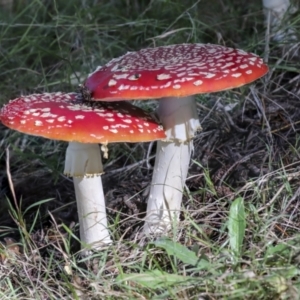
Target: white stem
[[275, 11], [83, 162], [91, 212], [180, 120], [169, 175]]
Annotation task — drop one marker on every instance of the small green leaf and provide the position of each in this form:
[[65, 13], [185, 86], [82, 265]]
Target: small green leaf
[[182, 252], [154, 279], [237, 225], [283, 250]]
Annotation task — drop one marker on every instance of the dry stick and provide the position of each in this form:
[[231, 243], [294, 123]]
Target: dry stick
[[262, 111], [272, 200], [11, 185], [266, 177], [284, 127]]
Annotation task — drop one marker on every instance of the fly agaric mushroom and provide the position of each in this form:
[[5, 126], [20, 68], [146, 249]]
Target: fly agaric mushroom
[[173, 73], [65, 117]]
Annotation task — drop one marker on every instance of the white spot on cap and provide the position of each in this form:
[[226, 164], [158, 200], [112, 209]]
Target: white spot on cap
[[123, 87], [198, 82], [181, 74], [236, 75], [210, 75], [244, 66], [22, 122], [168, 84], [45, 115], [120, 76], [79, 117], [253, 58], [227, 65], [113, 130], [176, 86], [38, 123], [248, 72], [112, 82], [115, 68], [163, 76], [61, 119]]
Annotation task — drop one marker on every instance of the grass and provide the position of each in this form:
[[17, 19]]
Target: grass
[[239, 232]]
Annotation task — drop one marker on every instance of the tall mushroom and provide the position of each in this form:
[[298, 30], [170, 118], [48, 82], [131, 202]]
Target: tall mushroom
[[173, 73], [66, 117]]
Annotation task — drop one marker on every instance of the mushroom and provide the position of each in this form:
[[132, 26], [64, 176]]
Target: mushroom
[[66, 117], [275, 12], [173, 73]]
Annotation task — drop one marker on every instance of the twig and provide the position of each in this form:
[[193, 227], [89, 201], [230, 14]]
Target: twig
[[10, 182]]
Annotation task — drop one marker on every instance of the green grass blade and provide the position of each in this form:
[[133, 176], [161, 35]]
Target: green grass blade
[[182, 253], [237, 226], [154, 279]]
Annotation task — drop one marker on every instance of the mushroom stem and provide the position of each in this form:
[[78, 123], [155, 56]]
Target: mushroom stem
[[169, 175], [82, 160], [180, 120], [91, 212], [275, 13]]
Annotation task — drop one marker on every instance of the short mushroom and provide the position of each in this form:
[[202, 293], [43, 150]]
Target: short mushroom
[[174, 73], [66, 117]]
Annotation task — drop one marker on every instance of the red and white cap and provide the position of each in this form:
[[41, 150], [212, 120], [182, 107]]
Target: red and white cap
[[175, 70], [63, 116]]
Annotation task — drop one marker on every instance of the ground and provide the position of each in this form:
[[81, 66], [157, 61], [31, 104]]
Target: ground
[[248, 149]]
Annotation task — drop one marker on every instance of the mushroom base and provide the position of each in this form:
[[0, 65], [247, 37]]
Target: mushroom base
[[170, 172], [91, 212]]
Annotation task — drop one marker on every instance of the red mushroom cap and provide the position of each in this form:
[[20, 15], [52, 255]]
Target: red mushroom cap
[[176, 70], [65, 117]]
